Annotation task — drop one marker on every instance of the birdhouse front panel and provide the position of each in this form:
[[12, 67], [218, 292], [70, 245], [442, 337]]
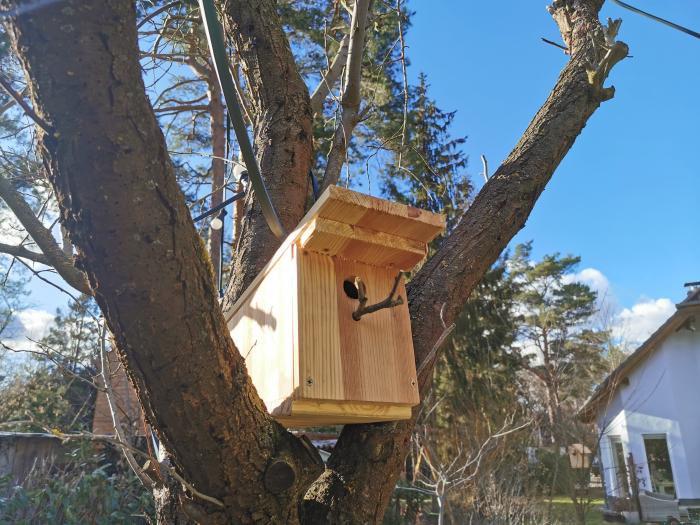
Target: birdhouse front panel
[[325, 328], [370, 360]]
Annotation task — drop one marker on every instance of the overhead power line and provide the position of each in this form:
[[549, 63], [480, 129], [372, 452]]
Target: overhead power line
[[658, 19]]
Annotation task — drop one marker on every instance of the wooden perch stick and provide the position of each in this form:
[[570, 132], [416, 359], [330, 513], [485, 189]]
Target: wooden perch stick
[[389, 302]]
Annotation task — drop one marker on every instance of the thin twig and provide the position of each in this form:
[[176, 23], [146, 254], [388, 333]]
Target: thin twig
[[566, 49], [431, 355], [26, 107], [116, 422], [485, 164]]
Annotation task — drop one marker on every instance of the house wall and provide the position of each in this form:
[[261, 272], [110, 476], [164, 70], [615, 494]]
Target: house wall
[[21, 452], [663, 397]]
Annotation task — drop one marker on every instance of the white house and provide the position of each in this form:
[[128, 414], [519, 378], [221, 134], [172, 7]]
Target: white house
[[649, 407]]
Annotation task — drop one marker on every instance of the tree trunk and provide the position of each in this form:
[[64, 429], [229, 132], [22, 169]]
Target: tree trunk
[[218, 168], [147, 265], [282, 133]]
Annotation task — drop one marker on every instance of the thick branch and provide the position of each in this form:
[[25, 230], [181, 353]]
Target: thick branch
[[351, 95], [367, 459], [330, 77], [50, 249], [129, 222], [282, 131], [19, 99]]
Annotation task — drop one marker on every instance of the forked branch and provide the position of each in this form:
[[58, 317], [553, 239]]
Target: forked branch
[[389, 302], [351, 95], [330, 77], [52, 253]]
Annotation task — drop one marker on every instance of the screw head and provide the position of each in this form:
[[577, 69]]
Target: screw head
[[309, 381]]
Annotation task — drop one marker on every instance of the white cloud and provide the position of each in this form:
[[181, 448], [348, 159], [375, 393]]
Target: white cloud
[[593, 278], [35, 323], [634, 325], [26, 327]]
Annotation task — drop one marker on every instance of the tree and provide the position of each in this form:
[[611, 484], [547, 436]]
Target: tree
[[429, 170], [564, 354], [55, 389], [147, 268], [561, 349]]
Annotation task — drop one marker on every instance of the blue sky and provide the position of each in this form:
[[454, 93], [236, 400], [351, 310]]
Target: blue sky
[[627, 196]]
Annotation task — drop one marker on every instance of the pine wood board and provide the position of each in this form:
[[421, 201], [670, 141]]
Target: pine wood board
[[321, 372], [356, 243], [343, 205], [308, 413], [377, 351], [353, 208], [264, 332]]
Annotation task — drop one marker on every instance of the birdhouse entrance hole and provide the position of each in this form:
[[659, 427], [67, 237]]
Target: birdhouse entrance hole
[[309, 358], [350, 288]]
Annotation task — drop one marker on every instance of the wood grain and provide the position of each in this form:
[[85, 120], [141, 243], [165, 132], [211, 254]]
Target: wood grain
[[264, 332], [306, 413], [376, 351], [319, 333], [356, 243]]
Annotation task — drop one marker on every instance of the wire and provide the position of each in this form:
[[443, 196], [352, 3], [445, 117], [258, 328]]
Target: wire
[[217, 47], [658, 19]]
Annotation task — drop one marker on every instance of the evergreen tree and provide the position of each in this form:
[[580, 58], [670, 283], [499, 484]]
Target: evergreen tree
[[565, 356], [560, 348], [55, 390], [429, 171]]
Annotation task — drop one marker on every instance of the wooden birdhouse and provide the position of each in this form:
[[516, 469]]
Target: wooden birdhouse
[[324, 338]]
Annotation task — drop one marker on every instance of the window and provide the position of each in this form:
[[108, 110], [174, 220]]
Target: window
[[622, 485], [659, 463]]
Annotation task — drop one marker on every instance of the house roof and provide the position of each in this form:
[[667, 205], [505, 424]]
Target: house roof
[[604, 392]]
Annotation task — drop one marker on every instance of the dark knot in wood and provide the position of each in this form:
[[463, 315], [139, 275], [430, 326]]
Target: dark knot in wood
[[279, 476]]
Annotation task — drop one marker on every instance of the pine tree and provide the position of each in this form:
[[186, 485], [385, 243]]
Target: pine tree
[[429, 171]]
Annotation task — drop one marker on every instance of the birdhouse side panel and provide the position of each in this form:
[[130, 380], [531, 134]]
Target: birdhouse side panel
[[376, 351], [263, 328], [321, 373]]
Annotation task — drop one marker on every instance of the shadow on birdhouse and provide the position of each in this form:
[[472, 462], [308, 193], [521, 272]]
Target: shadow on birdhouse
[[325, 329]]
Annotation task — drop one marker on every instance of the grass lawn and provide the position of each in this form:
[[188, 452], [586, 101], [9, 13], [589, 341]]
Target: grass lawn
[[563, 510]]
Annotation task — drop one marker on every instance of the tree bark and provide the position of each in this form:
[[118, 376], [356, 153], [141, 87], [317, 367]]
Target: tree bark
[[119, 198], [282, 132]]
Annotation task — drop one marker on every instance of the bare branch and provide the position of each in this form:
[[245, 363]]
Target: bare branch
[[116, 421], [158, 11], [11, 102], [26, 107], [351, 95], [180, 109], [331, 76], [42, 237], [24, 253], [388, 302]]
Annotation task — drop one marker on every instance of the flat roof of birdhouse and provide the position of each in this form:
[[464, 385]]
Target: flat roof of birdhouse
[[361, 228], [383, 216]]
